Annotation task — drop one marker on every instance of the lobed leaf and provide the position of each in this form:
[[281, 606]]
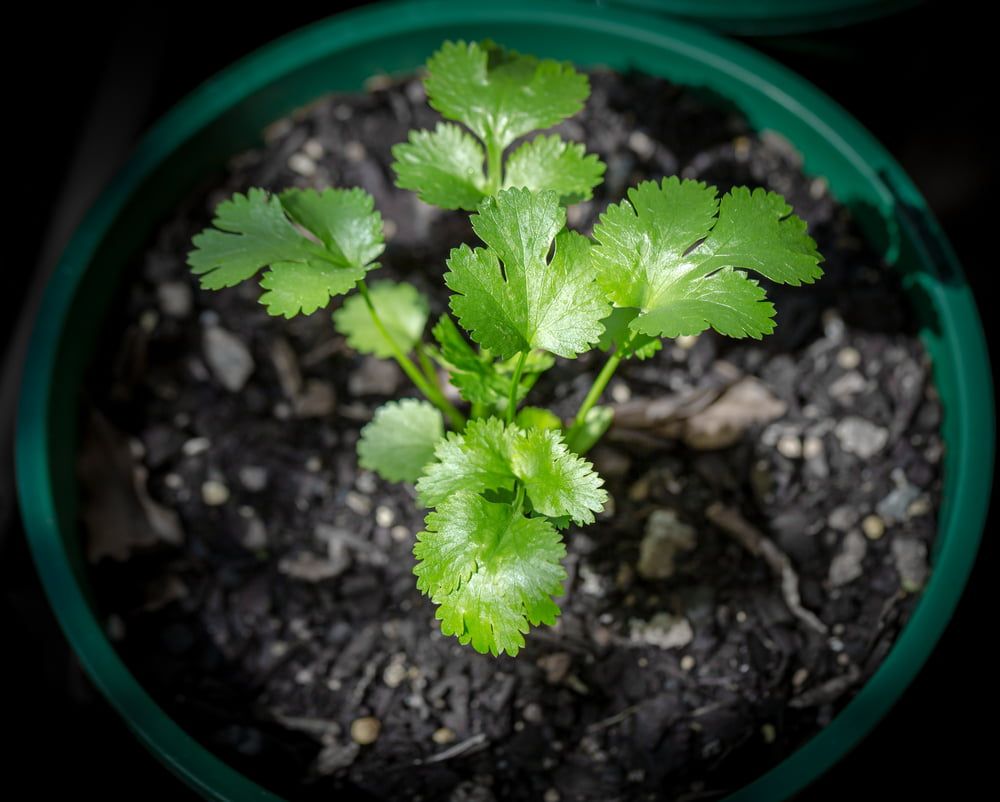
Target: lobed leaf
[[400, 439], [510, 296], [489, 456], [402, 309], [671, 251], [492, 571], [258, 230], [500, 94], [548, 162], [444, 167]]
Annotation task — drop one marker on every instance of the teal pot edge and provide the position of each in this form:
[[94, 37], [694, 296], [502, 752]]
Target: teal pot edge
[[894, 214]]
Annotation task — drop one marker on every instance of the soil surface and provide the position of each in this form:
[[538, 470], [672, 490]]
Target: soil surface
[[773, 504]]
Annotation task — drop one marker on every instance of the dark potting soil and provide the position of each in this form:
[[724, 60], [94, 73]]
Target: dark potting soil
[[773, 504]]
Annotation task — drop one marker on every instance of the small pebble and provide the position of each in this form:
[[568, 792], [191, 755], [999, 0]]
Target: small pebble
[[354, 151], [687, 662], [848, 358], [532, 713], [799, 677], [302, 164], [873, 527], [362, 505], [400, 534], [394, 674], [789, 446], [384, 516], [551, 795], [196, 446], [768, 733], [214, 493], [365, 730], [443, 736]]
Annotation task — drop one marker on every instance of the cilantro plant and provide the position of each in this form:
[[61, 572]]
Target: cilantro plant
[[502, 480]]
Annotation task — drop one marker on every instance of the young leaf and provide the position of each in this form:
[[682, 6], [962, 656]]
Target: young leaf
[[401, 307], [444, 168], [489, 456], [253, 231], [509, 296], [548, 162], [500, 94], [400, 440], [476, 460], [537, 418], [479, 380], [671, 251], [557, 481], [344, 220], [492, 571]]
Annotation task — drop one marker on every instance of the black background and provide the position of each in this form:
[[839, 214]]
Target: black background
[[922, 81]]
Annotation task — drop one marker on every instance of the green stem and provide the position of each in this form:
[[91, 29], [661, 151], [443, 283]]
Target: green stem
[[494, 166], [431, 391], [519, 497], [425, 363], [597, 388], [515, 385]]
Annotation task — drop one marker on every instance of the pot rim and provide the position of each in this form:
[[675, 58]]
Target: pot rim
[[959, 350]]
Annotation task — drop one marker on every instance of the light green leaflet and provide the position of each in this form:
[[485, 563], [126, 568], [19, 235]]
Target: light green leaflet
[[490, 456], [400, 439], [672, 252], [401, 307], [444, 167], [500, 94], [509, 296], [258, 230], [547, 162], [491, 571]]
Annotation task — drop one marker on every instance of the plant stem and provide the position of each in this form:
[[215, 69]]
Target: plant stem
[[515, 385], [519, 497], [430, 390], [597, 388], [494, 166], [425, 363]]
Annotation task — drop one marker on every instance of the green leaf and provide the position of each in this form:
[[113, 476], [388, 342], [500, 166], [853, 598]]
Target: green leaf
[[537, 418], [671, 250], [557, 481], [500, 94], [492, 572], [445, 168], [509, 296], [400, 440], [476, 460], [251, 231], [548, 162], [344, 220], [402, 308], [489, 456], [595, 423], [627, 343], [256, 230]]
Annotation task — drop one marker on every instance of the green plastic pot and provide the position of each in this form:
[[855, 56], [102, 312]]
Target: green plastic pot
[[227, 114]]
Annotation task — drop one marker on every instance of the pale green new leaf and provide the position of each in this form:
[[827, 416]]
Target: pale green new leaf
[[491, 571], [500, 94], [400, 440], [476, 460], [557, 481], [548, 162], [671, 251], [509, 296], [444, 167], [401, 308], [627, 343]]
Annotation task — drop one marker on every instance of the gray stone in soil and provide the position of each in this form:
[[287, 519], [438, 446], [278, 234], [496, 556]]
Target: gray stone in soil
[[846, 566], [318, 399], [310, 567], [910, 558], [665, 537], [861, 437], [175, 298], [228, 358], [895, 506], [663, 630], [374, 377], [746, 403]]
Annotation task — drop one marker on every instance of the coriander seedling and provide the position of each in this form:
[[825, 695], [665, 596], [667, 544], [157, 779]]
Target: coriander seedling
[[670, 259]]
